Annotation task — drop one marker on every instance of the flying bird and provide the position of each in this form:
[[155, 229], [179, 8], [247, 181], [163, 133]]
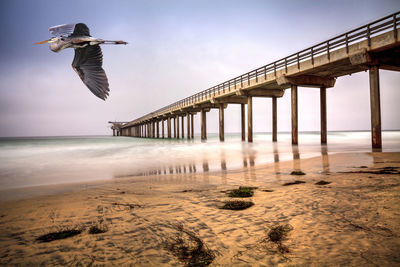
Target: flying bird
[[88, 59]]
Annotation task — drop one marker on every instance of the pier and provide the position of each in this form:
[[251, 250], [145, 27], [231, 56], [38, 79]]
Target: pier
[[369, 48]]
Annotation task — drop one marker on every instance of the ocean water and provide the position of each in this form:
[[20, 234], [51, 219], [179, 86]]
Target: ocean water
[[26, 162]]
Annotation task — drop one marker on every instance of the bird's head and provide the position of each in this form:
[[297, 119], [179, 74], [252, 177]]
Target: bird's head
[[51, 40]]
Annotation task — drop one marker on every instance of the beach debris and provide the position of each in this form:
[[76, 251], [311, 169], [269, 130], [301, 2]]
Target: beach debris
[[322, 182], [130, 206], [61, 234], [242, 191], [98, 228], [189, 248], [267, 190], [192, 190], [384, 170], [277, 234], [236, 205], [297, 173], [293, 183]]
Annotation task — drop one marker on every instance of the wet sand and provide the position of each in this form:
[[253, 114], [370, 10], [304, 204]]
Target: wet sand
[[353, 221]]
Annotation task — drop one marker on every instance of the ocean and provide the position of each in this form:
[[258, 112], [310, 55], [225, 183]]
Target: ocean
[[35, 161]]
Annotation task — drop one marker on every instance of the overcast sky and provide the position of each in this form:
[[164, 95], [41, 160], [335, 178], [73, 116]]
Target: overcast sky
[[176, 49]]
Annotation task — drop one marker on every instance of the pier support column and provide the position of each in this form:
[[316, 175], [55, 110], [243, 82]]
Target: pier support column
[[153, 129], [177, 127], [249, 119], [158, 129], [274, 120], [113, 132], [183, 126], [221, 124], [192, 125], [375, 99], [295, 133], [169, 127], [174, 127], [323, 115], [203, 125], [243, 121], [188, 125], [162, 128]]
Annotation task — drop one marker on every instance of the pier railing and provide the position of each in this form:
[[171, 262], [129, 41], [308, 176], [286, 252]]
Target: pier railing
[[385, 24]]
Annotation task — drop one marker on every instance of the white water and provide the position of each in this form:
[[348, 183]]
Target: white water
[[28, 162]]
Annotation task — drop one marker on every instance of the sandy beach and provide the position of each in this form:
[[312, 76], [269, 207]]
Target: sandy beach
[[354, 220]]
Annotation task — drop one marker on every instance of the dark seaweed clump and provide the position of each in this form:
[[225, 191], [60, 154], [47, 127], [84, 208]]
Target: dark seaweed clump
[[98, 229], [297, 173], [189, 248], [295, 182], [277, 234], [62, 234], [242, 191], [322, 182], [237, 205]]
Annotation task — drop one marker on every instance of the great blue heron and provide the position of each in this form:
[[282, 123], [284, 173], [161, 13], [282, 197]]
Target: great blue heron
[[88, 58]]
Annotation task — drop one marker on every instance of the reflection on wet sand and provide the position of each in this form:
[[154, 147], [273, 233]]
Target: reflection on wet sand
[[276, 161], [325, 159], [249, 157], [296, 158]]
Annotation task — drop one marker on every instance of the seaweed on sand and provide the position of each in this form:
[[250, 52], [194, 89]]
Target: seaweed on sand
[[242, 191], [277, 234], [98, 228], [297, 173], [293, 183], [189, 248], [60, 234], [237, 205], [322, 182]]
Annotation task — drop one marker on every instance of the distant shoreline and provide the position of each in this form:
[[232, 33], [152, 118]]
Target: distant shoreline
[[196, 134]]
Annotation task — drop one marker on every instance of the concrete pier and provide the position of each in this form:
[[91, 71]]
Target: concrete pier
[[274, 120], [249, 119], [375, 99], [318, 66], [221, 124], [183, 127], [203, 125], [169, 127], [192, 125], [162, 129], [295, 134], [323, 115], [243, 121], [188, 125], [177, 126]]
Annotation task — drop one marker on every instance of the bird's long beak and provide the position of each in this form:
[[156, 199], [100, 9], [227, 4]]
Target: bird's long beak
[[43, 42]]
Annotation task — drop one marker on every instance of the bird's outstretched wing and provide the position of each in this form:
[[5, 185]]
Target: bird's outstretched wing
[[62, 30], [81, 30], [66, 30], [88, 63]]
